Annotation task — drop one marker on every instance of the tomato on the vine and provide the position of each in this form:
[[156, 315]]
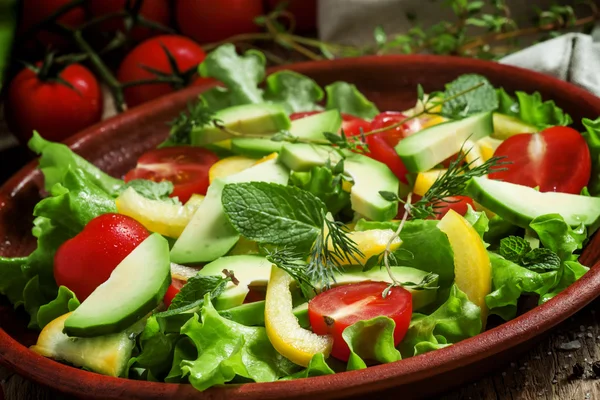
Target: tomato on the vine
[[86, 261], [334, 310], [555, 160], [186, 167], [152, 10], [150, 59], [50, 106], [206, 21], [35, 11]]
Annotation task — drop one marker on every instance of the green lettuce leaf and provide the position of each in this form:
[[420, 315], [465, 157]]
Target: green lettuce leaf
[[478, 220], [530, 109], [455, 320], [12, 279], [156, 350], [592, 137], [56, 159], [498, 228], [482, 99], [241, 74], [349, 100], [65, 302], [570, 272], [227, 349], [316, 367], [556, 235], [184, 351], [371, 340], [294, 91], [323, 183]]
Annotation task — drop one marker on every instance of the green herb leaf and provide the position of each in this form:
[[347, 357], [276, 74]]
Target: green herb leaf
[[196, 115], [514, 248], [241, 74], [295, 265], [592, 137], [389, 196], [380, 36], [479, 100], [153, 190], [294, 91], [541, 260], [192, 294], [348, 99], [275, 214], [531, 109]]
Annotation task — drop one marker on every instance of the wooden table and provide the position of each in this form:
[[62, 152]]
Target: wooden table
[[549, 371]]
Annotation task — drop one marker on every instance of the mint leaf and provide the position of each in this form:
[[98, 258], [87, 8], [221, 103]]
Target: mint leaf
[[153, 190], [514, 248], [269, 213], [240, 74], [592, 137], [479, 100], [531, 109], [294, 91], [195, 289], [349, 100], [541, 260]]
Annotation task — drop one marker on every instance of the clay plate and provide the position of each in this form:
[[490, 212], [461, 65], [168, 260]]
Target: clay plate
[[389, 81]]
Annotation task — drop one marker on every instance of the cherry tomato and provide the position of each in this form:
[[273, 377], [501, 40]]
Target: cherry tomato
[[556, 160], [336, 309], [52, 108], [170, 295], [187, 167], [34, 11], [87, 260], [350, 124], [211, 21], [152, 10], [457, 203], [304, 12], [151, 54]]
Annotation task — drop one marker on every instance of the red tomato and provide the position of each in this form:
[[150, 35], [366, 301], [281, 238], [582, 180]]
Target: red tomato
[[556, 160], [34, 11], [53, 109], [87, 260], [350, 124], [152, 10], [187, 53], [457, 203], [304, 12], [336, 309], [187, 167], [211, 21], [170, 295]]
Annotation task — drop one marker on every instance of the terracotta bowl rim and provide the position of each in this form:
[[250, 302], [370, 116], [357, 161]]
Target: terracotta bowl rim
[[486, 344]]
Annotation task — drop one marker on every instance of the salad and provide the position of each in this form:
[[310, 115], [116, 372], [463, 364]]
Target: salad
[[286, 231]]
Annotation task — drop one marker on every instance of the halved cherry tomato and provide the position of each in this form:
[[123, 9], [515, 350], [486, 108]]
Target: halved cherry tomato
[[170, 295], [456, 203], [86, 261], [556, 160], [336, 309], [187, 167]]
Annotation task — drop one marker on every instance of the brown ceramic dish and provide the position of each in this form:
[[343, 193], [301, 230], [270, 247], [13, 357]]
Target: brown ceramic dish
[[391, 82]]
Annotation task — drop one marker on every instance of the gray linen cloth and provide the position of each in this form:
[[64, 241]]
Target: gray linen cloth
[[571, 57]]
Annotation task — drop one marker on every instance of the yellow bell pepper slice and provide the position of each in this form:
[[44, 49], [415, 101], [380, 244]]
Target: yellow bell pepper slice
[[370, 243], [285, 333], [425, 180], [158, 216], [487, 147], [472, 268], [229, 166]]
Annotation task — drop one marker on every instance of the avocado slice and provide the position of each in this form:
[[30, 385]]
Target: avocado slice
[[370, 176], [135, 287], [429, 147], [209, 234], [519, 204], [248, 119], [311, 127], [506, 126]]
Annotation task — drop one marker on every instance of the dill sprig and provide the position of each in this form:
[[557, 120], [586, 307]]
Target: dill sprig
[[294, 264], [196, 115], [453, 183]]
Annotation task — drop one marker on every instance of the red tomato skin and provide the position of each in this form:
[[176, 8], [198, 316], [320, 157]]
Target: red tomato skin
[[87, 260], [187, 167], [397, 305], [556, 160], [170, 295], [150, 53], [304, 12], [153, 10], [34, 11], [206, 21], [457, 203], [53, 109]]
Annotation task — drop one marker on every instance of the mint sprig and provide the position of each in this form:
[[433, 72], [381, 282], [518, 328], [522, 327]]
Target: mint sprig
[[519, 251]]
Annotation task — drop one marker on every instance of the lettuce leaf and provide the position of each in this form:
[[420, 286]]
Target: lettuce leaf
[[323, 183], [227, 349], [455, 320], [530, 109], [184, 351], [478, 220], [56, 159], [241, 74], [592, 137], [294, 91], [349, 100], [371, 340], [556, 235], [316, 367], [156, 350], [65, 302]]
